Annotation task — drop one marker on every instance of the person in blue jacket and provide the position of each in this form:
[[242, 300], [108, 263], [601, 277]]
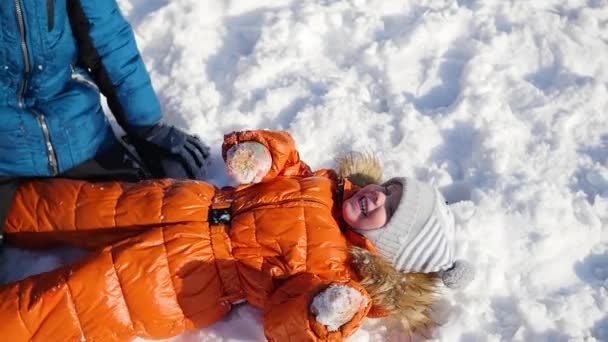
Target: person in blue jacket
[[56, 56]]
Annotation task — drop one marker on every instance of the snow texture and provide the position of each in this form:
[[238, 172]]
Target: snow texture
[[501, 104], [337, 305]]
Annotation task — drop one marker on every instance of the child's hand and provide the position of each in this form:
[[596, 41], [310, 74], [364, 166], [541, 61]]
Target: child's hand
[[248, 162], [337, 305]]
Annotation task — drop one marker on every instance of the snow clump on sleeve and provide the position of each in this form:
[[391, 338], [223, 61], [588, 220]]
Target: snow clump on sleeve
[[337, 305]]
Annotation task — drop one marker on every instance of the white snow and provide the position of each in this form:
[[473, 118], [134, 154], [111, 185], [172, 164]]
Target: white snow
[[337, 305], [502, 104]]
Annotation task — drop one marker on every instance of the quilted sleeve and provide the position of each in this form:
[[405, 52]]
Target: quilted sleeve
[[107, 48], [50, 212], [285, 158], [288, 315]]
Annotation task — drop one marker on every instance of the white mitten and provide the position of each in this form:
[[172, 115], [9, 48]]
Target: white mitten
[[337, 305], [248, 162]]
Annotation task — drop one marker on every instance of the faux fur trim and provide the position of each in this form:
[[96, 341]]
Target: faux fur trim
[[407, 296], [360, 168]]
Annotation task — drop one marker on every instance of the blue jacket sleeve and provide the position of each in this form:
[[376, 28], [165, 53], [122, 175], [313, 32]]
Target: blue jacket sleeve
[[108, 49]]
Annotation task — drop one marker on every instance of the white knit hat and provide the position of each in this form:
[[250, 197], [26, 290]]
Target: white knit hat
[[419, 237]]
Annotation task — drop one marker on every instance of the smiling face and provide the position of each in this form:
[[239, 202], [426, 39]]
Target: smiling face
[[372, 206]]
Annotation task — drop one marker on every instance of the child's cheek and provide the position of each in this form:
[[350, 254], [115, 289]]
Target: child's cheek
[[347, 213]]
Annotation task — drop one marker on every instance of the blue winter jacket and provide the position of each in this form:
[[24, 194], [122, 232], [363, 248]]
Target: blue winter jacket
[[55, 55]]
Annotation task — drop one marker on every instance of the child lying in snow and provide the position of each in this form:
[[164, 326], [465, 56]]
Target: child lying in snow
[[173, 255]]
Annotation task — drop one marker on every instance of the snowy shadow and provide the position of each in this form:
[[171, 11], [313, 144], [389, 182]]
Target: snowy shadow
[[546, 336], [544, 77], [471, 337], [600, 329], [590, 181], [456, 192], [17, 264], [567, 13], [598, 153], [458, 145], [470, 4], [590, 178], [447, 92], [240, 37], [289, 113], [593, 269], [502, 23], [174, 118], [397, 26], [216, 173], [555, 77], [144, 8], [507, 314]]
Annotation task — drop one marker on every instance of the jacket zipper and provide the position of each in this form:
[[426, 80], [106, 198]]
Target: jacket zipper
[[50, 13], [50, 150], [26, 55], [22, 85], [259, 206]]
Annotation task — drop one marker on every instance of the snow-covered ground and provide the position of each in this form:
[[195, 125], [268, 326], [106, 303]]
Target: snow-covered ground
[[502, 104]]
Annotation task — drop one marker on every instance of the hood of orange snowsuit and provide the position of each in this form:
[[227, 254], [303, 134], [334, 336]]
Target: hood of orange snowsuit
[[174, 255]]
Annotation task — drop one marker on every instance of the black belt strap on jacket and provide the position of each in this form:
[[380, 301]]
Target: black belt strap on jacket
[[220, 216]]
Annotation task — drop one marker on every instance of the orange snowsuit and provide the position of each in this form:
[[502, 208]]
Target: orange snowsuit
[[170, 255]]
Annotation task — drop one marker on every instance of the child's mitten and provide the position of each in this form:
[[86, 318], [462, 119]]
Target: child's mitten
[[248, 162], [337, 305]]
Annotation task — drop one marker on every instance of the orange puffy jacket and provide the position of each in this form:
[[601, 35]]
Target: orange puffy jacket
[[167, 257]]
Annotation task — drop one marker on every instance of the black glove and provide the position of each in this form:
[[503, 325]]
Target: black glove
[[170, 152]]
